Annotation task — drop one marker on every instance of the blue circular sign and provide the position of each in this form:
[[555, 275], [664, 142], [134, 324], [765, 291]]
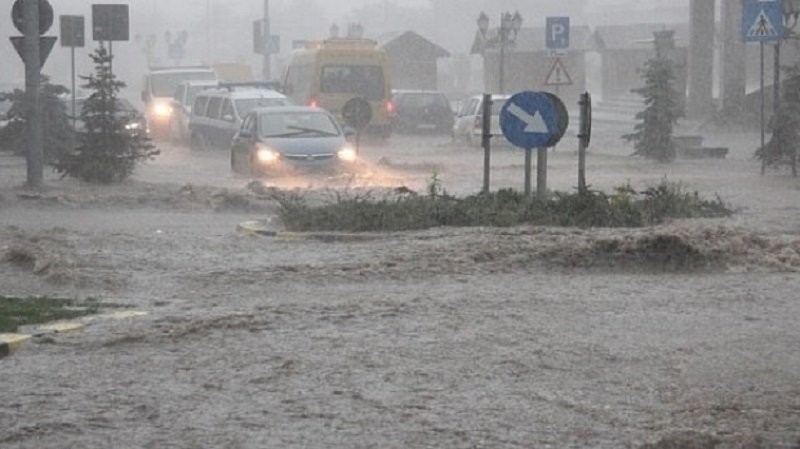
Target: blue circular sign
[[534, 120]]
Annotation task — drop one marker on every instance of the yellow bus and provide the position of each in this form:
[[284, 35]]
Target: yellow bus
[[327, 74]]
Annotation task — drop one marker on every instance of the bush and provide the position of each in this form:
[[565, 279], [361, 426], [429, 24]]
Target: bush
[[406, 210], [58, 136], [107, 152]]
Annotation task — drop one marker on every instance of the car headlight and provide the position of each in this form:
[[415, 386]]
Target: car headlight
[[133, 126], [347, 154], [267, 155], [162, 110]]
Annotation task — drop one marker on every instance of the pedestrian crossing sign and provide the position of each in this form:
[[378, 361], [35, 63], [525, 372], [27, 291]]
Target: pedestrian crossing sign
[[762, 21]]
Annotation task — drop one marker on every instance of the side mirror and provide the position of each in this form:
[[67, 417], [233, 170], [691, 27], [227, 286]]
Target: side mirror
[[244, 135], [144, 96], [349, 132]]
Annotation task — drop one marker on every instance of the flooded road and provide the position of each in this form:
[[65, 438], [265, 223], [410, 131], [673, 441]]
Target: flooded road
[[446, 338]]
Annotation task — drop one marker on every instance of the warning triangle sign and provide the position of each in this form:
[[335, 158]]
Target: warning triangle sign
[[558, 76], [762, 27]]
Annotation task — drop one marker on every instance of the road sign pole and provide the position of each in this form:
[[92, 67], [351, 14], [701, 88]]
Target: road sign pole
[[763, 122], [776, 85], [486, 140], [265, 30], [583, 138], [35, 151], [528, 170], [541, 174], [74, 118]]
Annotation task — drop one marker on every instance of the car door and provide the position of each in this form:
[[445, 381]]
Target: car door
[[228, 125], [242, 142]]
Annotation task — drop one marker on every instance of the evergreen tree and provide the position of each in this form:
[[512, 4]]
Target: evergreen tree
[[652, 137], [783, 147], [58, 136], [106, 152]]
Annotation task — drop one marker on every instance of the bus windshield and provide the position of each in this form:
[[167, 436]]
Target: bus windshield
[[363, 80]]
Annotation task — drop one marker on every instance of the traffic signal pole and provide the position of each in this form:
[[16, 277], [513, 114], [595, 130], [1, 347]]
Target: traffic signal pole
[[35, 151]]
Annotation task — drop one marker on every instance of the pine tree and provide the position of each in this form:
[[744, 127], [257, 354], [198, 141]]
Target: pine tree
[[783, 147], [57, 133], [107, 152], [652, 137]]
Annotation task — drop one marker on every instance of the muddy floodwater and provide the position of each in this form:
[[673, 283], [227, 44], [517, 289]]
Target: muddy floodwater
[[446, 338]]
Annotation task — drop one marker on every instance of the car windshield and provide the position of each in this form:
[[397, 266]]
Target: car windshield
[[297, 124], [164, 84], [193, 91], [245, 105]]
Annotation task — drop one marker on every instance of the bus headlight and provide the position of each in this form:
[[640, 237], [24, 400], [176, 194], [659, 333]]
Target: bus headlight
[[347, 154]]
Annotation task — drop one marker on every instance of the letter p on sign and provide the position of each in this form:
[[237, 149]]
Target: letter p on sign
[[557, 33]]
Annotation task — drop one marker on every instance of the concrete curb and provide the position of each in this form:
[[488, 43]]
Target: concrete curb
[[10, 343], [259, 229]]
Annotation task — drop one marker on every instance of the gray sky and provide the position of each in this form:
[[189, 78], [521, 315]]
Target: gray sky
[[227, 36]]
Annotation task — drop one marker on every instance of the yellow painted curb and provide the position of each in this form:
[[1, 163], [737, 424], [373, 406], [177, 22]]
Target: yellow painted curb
[[254, 228], [60, 328], [14, 341]]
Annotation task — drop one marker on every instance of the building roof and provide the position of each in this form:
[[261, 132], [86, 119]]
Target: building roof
[[410, 40], [616, 37]]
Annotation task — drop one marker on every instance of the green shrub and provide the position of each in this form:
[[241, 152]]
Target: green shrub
[[107, 152], [407, 210]]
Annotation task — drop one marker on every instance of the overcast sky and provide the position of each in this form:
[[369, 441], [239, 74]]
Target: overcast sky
[[228, 33]]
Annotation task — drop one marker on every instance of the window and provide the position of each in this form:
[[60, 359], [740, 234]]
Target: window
[[298, 81], [227, 111], [363, 80], [214, 107], [200, 104], [164, 84]]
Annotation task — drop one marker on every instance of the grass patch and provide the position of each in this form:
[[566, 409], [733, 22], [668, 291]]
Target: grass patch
[[16, 312], [407, 210]]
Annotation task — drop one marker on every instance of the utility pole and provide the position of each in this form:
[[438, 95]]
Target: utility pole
[[35, 152], [265, 32]]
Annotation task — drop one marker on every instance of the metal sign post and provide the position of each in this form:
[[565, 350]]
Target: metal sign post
[[72, 35], [762, 22], [534, 120], [33, 18], [486, 140], [584, 137]]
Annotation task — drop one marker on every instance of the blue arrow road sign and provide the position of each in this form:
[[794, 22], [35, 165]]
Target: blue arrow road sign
[[762, 21], [557, 31], [533, 120]]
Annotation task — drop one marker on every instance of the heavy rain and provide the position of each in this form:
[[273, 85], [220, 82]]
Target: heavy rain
[[400, 224]]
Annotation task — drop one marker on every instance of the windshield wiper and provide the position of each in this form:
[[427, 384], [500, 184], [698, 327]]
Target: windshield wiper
[[303, 130]]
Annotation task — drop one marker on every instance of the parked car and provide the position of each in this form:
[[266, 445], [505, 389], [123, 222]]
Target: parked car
[[420, 110], [135, 121], [468, 125], [182, 102], [278, 139], [217, 114]]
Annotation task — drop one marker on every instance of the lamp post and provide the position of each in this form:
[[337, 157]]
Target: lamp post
[[791, 12], [510, 24]]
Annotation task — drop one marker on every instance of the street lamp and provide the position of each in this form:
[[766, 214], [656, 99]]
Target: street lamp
[[791, 12], [510, 25]]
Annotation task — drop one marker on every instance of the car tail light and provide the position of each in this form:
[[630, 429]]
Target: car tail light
[[314, 103], [389, 107]]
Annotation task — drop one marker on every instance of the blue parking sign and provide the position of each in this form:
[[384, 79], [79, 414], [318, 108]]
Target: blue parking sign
[[557, 33]]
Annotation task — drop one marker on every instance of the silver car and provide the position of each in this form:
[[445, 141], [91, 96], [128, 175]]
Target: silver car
[[283, 139], [468, 126]]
